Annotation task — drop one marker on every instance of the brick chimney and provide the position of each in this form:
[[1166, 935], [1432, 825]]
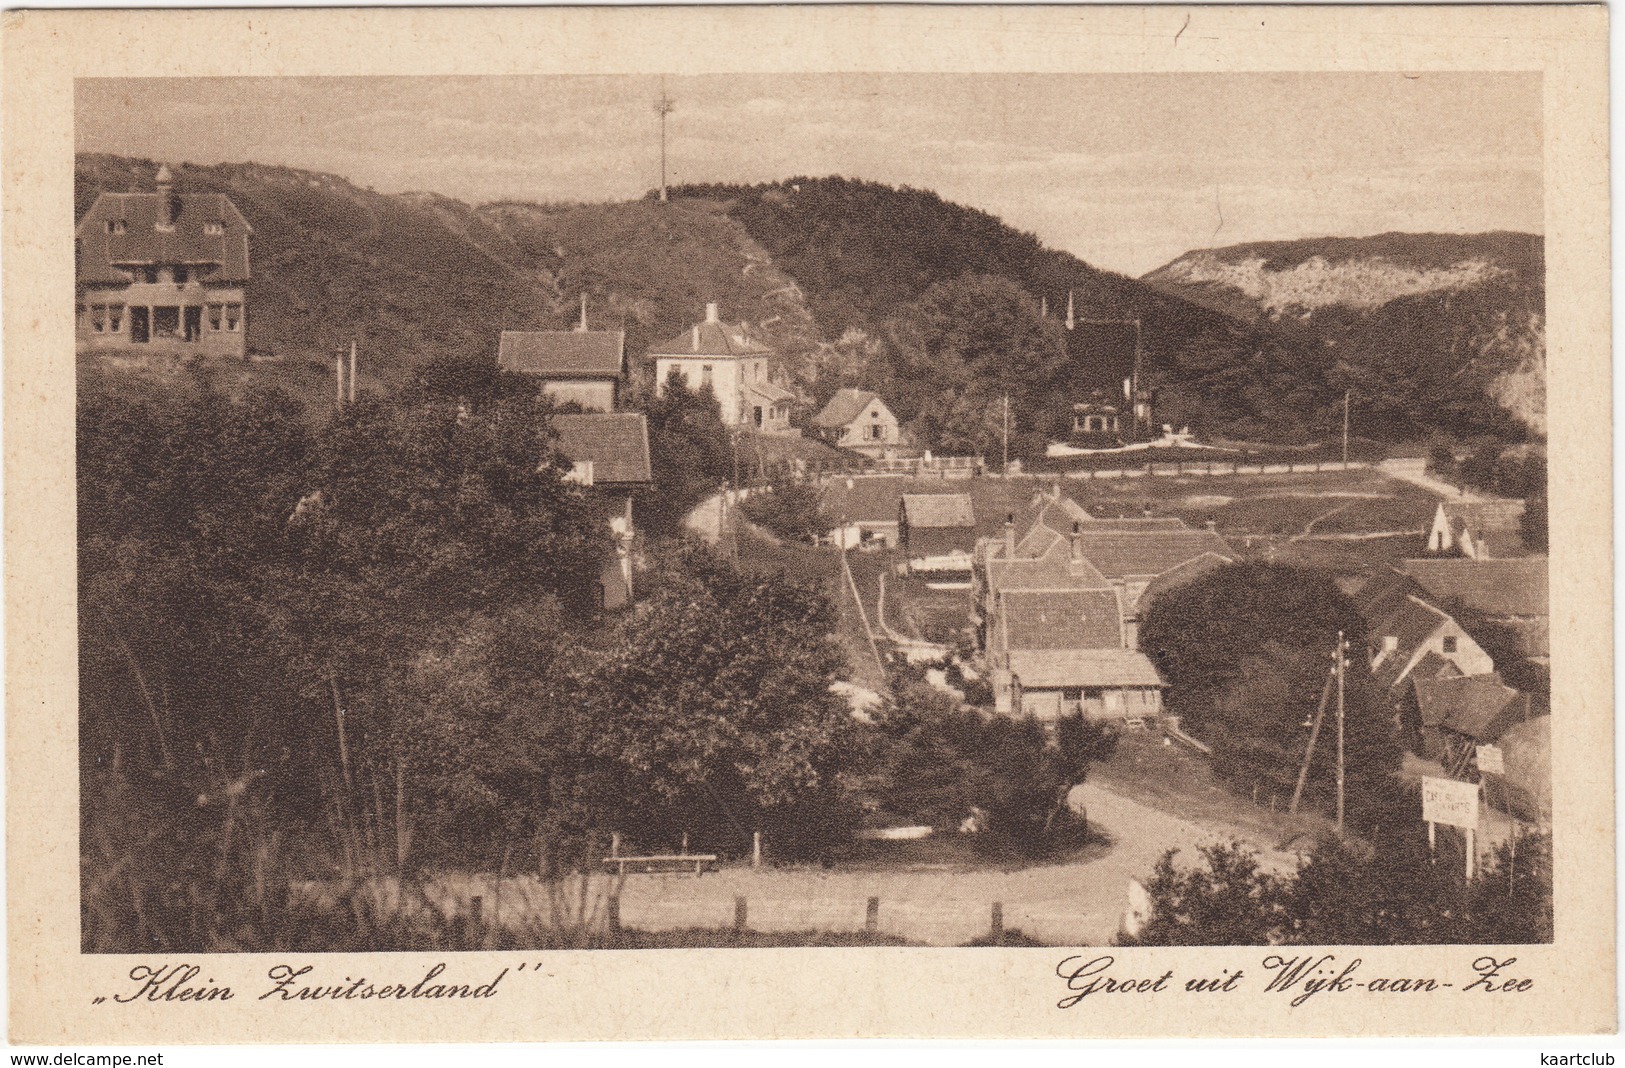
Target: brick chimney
[[1010, 536], [168, 203], [711, 312], [1077, 542]]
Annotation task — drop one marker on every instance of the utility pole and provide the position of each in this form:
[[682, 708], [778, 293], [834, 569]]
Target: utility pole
[[1342, 667], [1345, 428], [352, 372], [1309, 752], [1138, 349], [663, 107]]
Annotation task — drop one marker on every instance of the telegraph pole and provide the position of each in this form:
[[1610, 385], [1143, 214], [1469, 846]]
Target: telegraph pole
[[663, 107], [1342, 667], [1345, 429]]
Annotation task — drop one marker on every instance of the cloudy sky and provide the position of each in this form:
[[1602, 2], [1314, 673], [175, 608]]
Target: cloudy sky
[[1126, 171]]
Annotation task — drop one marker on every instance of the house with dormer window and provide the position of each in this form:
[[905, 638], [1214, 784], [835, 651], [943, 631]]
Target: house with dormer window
[[162, 271]]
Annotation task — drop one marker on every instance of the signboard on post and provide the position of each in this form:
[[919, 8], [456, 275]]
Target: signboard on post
[[1489, 760], [1450, 801]]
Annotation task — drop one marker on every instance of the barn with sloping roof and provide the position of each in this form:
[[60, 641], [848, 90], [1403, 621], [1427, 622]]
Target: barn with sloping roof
[[1512, 592], [162, 272], [936, 531]]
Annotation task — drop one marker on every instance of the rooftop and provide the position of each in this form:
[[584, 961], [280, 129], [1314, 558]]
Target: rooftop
[[1059, 619], [1123, 553], [128, 230], [926, 510], [1474, 705], [616, 443], [1065, 668], [713, 337], [563, 353], [1497, 588], [845, 406]]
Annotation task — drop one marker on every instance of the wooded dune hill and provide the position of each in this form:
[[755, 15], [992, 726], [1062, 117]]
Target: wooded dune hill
[[857, 283]]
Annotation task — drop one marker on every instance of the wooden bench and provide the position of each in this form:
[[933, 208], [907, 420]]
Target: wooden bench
[[678, 862]]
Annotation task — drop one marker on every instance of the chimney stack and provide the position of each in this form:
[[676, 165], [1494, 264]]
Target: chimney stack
[[711, 312], [1212, 526], [1077, 540], [1010, 536], [167, 204]]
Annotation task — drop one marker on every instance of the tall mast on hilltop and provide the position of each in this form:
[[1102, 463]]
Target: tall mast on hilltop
[[663, 107]]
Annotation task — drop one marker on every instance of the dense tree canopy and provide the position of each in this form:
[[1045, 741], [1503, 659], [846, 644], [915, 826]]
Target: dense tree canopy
[[1352, 896], [964, 346], [1247, 650]]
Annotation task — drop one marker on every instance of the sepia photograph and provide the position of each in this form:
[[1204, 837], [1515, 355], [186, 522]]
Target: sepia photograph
[[537, 512], [627, 512]]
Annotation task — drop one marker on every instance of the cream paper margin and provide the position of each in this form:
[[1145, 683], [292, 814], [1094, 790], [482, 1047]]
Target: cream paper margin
[[831, 993]]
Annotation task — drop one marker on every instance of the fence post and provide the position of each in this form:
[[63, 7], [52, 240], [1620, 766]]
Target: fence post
[[739, 912], [998, 921], [612, 913], [614, 843], [871, 918], [756, 843]]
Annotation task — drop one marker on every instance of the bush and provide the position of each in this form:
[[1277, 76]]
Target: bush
[[790, 510]]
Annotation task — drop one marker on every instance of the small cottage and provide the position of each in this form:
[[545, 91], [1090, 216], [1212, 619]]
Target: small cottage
[[581, 367], [859, 420]]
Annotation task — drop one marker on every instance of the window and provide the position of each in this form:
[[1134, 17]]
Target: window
[[234, 314], [117, 226], [214, 228], [149, 275], [98, 318], [180, 276], [115, 318], [705, 374], [215, 313], [876, 432], [1450, 644]]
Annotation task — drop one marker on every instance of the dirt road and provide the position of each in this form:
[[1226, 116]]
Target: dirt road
[[1061, 904]]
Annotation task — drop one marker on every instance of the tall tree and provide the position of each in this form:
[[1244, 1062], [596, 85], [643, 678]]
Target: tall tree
[[692, 451], [716, 699], [964, 346]]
